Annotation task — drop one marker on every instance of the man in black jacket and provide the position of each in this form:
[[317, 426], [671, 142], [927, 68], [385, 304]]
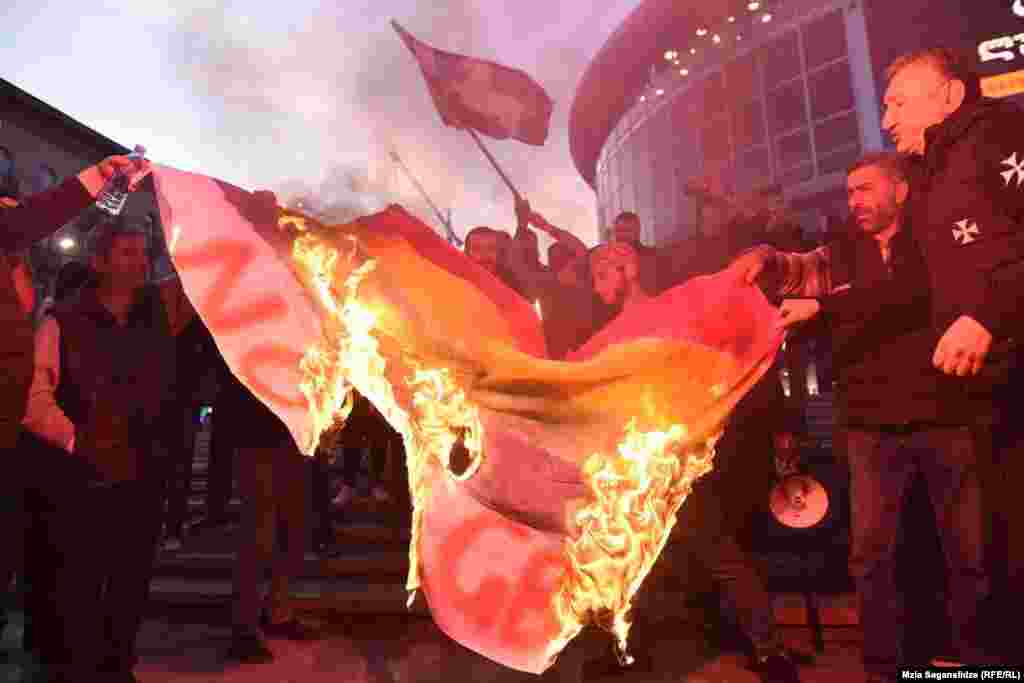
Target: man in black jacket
[[967, 216], [900, 415]]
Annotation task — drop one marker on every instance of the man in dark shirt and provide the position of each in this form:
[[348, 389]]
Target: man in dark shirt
[[901, 416]]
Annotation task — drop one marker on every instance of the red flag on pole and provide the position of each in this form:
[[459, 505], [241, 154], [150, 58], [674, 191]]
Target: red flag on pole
[[495, 100]]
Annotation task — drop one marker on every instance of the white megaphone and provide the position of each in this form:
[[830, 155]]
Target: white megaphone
[[799, 501]]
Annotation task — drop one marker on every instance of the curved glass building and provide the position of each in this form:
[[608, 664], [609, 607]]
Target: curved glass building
[[760, 93]]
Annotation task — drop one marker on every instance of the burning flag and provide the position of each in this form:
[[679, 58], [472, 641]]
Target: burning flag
[[543, 491], [473, 93]]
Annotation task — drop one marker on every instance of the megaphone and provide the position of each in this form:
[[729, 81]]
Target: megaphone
[[799, 501]]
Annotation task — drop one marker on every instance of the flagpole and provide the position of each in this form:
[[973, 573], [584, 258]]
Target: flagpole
[[452, 237], [494, 162]]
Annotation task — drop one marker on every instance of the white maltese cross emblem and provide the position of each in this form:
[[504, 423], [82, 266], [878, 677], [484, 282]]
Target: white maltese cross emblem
[[1015, 170], [965, 231]]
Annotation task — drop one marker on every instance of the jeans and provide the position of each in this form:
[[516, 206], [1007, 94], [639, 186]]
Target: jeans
[[882, 465]]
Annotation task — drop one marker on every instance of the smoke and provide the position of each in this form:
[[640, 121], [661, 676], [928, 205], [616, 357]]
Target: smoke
[[310, 103]]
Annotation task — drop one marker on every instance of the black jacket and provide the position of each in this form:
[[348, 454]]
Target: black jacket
[[884, 359], [967, 212]]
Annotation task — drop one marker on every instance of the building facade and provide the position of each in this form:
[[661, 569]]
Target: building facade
[[758, 94], [45, 146]]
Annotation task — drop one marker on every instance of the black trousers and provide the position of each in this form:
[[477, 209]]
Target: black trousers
[[220, 472], [93, 552], [320, 492], [882, 465]]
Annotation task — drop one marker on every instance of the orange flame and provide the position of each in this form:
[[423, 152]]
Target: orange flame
[[620, 530], [349, 356], [636, 494]]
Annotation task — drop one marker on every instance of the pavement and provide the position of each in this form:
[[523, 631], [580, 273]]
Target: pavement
[[188, 647], [359, 601]]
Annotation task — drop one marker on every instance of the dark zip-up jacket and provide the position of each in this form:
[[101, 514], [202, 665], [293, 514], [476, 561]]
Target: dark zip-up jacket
[[882, 347], [967, 213]]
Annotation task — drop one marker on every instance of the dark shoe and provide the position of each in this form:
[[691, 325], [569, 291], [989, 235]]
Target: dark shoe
[[799, 657], [248, 647], [776, 668], [207, 524], [293, 629]]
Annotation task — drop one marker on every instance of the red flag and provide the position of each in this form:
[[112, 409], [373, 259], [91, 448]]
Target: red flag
[[474, 93]]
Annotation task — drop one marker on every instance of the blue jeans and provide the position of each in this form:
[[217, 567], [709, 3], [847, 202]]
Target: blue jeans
[[882, 466]]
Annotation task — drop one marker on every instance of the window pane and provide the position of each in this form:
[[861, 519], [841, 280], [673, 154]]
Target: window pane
[[824, 39], [831, 90], [793, 149], [781, 59], [715, 141], [741, 77], [795, 176], [753, 169], [786, 107], [748, 124], [837, 132], [838, 161], [715, 100]]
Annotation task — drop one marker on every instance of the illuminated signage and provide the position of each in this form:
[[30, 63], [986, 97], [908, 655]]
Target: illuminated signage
[[1004, 48], [1003, 85]]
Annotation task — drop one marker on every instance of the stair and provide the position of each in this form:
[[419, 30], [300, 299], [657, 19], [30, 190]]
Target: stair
[[820, 413]]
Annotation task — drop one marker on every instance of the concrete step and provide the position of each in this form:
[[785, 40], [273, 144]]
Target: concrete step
[[355, 560], [348, 596]]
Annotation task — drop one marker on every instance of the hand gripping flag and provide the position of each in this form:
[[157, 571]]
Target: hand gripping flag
[[473, 93], [544, 491]]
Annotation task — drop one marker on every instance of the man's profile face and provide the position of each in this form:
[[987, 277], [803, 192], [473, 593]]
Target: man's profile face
[[875, 198], [484, 248], [627, 229], [918, 97]]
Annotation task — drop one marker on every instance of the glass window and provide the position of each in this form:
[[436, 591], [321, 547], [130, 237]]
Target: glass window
[[715, 99], [793, 150], [838, 132], [781, 59], [715, 141], [748, 124], [831, 90], [741, 77], [824, 39], [786, 107], [753, 169], [839, 160], [797, 175]]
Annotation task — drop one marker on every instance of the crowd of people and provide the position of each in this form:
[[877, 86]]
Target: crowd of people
[[917, 294]]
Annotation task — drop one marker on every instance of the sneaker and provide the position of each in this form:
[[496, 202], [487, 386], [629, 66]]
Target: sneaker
[[208, 523], [946, 662], [381, 495], [344, 497], [776, 668], [248, 647], [172, 545], [293, 629]]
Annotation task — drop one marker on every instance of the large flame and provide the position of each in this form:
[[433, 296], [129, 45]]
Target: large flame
[[349, 356], [620, 533], [635, 493]]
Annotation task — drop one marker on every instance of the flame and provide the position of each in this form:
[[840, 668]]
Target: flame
[[635, 493], [441, 418], [621, 531]]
